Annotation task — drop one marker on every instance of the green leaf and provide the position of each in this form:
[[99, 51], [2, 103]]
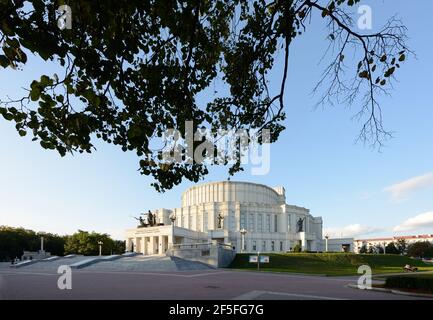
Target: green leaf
[[35, 94], [8, 116], [389, 72]]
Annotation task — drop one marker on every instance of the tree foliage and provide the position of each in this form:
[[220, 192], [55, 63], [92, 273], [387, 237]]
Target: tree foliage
[[420, 249], [363, 249], [86, 243], [401, 245], [391, 248], [14, 241], [133, 69]]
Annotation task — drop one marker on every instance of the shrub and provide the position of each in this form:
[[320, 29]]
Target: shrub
[[410, 282], [297, 248]]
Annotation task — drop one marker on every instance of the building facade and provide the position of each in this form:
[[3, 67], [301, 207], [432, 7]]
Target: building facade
[[339, 244], [248, 216], [383, 242]]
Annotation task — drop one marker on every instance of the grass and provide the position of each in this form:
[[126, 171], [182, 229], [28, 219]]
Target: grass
[[331, 264]]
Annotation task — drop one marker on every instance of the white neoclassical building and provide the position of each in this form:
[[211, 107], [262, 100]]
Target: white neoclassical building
[[247, 216]]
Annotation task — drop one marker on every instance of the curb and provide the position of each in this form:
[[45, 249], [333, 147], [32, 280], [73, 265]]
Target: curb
[[394, 291], [281, 272]]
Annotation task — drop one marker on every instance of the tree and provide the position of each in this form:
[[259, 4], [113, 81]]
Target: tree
[[378, 249], [375, 249], [401, 245], [118, 247], [86, 243], [363, 249], [391, 248], [420, 249], [14, 241], [133, 70]]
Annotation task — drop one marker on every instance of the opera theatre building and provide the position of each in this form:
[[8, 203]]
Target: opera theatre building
[[246, 216]]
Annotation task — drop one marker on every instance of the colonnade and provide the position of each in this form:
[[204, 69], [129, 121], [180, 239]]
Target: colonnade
[[148, 245]]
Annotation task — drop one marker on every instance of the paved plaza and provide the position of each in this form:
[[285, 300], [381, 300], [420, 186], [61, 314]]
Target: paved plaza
[[100, 282]]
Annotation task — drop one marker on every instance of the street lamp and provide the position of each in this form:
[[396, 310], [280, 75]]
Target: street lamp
[[326, 243], [100, 247], [384, 247], [172, 218], [243, 233]]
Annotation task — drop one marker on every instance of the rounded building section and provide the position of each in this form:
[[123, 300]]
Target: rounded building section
[[231, 191]]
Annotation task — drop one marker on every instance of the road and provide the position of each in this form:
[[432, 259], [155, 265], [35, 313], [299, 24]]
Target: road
[[195, 285]]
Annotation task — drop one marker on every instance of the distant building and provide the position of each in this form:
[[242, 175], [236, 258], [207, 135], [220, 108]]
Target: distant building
[[383, 242], [340, 245]]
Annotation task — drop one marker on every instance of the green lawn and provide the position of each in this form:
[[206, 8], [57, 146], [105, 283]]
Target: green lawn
[[331, 264]]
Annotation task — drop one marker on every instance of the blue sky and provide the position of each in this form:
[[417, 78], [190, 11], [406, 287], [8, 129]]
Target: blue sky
[[357, 190]]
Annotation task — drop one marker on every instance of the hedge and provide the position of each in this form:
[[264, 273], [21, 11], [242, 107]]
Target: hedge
[[410, 282]]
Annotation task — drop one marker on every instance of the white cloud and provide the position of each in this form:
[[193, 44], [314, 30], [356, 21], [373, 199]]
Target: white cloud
[[400, 191], [422, 220], [353, 230]]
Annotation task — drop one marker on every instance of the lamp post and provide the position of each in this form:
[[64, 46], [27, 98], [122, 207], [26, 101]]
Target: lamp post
[[384, 247], [100, 247], [172, 218], [243, 233], [326, 243], [42, 244], [258, 260]]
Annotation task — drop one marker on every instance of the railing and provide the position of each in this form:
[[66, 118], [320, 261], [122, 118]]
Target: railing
[[191, 245], [200, 245], [211, 253]]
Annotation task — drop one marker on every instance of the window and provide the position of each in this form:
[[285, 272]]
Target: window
[[251, 222], [254, 245], [273, 245], [281, 245], [264, 246], [243, 220], [268, 223], [199, 224], [275, 223], [260, 222], [205, 217]]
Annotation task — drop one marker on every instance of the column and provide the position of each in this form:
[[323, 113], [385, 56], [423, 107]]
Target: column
[[160, 248], [155, 244], [137, 244], [128, 244], [143, 245], [151, 245]]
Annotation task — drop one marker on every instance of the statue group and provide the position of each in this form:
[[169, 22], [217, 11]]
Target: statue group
[[146, 219]]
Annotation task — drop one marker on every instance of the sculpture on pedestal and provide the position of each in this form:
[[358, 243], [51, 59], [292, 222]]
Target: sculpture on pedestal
[[151, 218], [220, 218], [300, 225], [142, 224]]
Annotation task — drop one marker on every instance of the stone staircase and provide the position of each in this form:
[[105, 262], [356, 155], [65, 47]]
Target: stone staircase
[[137, 263], [182, 264]]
